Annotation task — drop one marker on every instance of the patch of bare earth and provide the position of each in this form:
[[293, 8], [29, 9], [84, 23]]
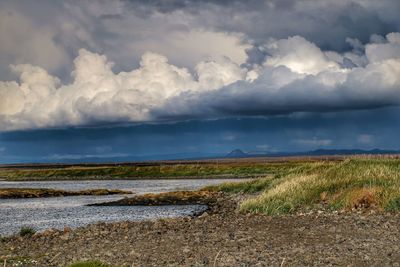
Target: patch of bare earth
[[223, 237]]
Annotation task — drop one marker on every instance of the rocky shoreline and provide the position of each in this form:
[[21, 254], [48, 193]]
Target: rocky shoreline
[[222, 237]]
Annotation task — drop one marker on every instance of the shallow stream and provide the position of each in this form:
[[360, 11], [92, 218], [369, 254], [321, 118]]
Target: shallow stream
[[57, 212]]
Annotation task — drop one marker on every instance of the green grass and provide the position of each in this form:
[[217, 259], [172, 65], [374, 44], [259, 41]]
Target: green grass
[[252, 186], [141, 172], [26, 231], [350, 184], [89, 264]]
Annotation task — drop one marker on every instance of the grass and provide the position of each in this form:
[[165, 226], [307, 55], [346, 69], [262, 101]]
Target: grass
[[241, 169], [288, 186], [351, 184], [252, 186], [26, 231], [89, 264]]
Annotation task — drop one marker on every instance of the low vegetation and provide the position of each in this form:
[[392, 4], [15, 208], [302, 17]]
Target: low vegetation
[[46, 192], [288, 186], [89, 264], [357, 183], [195, 170], [26, 231]]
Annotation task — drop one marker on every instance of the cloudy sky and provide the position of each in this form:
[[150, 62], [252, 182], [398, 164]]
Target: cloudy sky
[[152, 78]]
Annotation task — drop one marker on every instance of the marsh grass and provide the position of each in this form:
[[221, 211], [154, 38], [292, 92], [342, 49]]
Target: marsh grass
[[351, 184], [156, 171], [252, 186]]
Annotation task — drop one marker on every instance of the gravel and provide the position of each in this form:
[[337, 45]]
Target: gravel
[[222, 237]]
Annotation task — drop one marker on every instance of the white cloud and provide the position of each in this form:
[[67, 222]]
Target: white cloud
[[84, 156], [365, 139], [378, 52], [296, 76], [315, 142], [98, 94], [263, 147], [299, 55], [228, 136]]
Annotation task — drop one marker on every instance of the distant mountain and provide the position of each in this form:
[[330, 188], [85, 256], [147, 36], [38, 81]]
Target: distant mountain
[[320, 152], [237, 153]]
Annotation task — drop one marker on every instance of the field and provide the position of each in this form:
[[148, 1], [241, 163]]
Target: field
[[279, 185], [230, 168], [296, 212]]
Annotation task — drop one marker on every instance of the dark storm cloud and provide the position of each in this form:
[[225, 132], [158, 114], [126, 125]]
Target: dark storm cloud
[[327, 23], [300, 132], [211, 59]]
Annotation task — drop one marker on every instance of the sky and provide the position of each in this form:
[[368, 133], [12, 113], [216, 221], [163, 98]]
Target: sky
[[152, 79]]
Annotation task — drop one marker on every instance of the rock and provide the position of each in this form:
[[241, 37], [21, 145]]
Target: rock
[[224, 238], [65, 236], [205, 214], [135, 254]]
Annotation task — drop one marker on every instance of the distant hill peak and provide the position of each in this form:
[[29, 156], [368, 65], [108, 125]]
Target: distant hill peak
[[237, 153]]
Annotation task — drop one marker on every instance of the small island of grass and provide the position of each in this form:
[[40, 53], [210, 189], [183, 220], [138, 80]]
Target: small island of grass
[[46, 192]]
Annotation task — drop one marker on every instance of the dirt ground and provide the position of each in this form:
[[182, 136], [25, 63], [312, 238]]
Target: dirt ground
[[223, 237]]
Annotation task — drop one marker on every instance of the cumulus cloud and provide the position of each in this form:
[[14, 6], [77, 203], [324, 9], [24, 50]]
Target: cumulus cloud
[[299, 55], [292, 80], [97, 94], [296, 76]]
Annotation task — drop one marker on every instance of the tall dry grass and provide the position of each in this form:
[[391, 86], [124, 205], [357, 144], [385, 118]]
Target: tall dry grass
[[359, 182]]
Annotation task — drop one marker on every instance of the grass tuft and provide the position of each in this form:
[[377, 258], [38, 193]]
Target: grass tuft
[[26, 231], [89, 264]]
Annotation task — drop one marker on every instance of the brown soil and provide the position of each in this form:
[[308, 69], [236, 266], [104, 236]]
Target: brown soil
[[223, 237], [44, 192]]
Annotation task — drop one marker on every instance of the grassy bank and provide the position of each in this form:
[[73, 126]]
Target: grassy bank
[[213, 170], [351, 184]]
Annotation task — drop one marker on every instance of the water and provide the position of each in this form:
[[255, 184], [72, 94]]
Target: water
[[137, 186], [57, 212]]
